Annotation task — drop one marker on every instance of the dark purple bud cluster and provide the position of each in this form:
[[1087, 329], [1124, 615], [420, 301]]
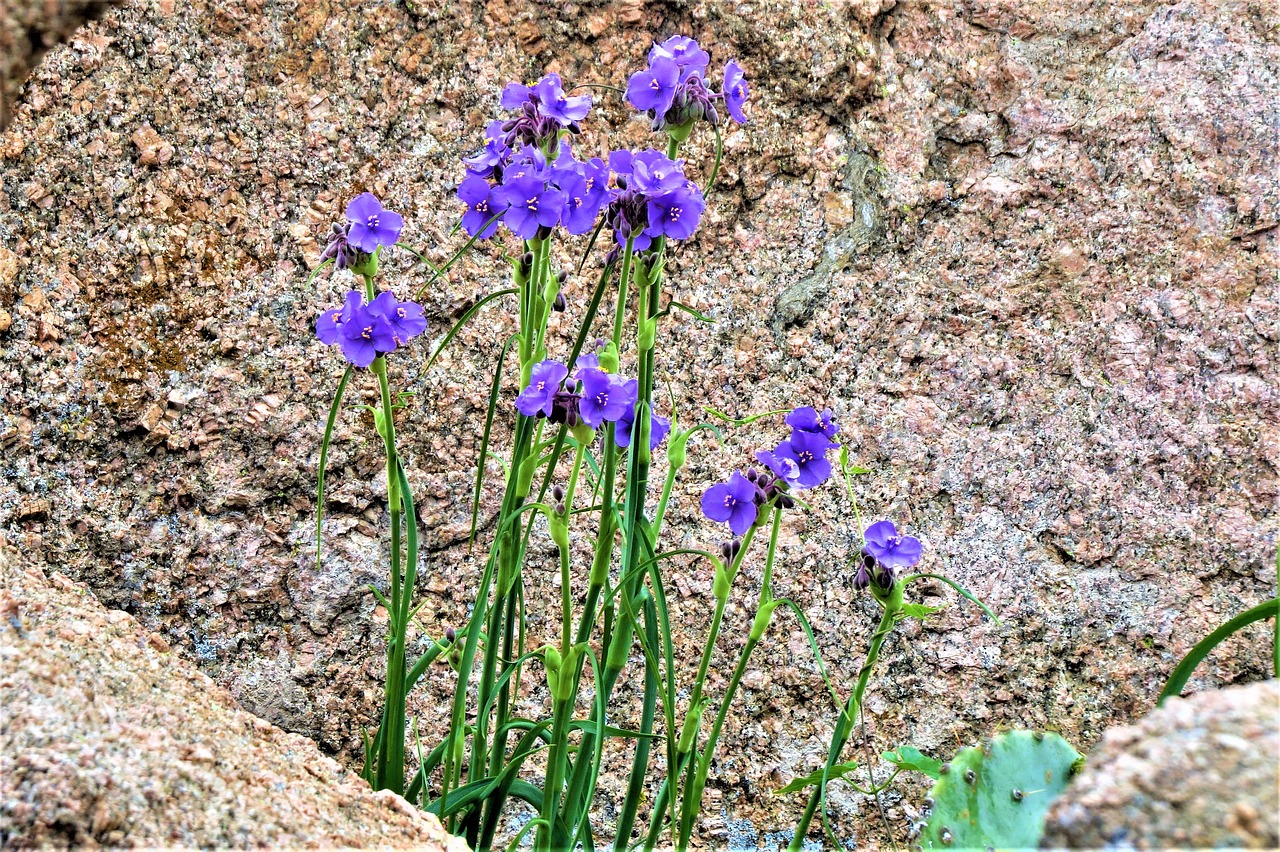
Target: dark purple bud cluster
[[730, 549], [797, 463], [673, 91]]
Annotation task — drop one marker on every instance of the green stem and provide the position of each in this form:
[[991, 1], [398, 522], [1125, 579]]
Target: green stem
[[892, 603]]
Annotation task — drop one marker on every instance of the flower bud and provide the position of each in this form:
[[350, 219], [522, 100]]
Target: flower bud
[[562, 277], [557, 494], [526, 262], [450, 635], [560, 508], [726, 550], [559, 304]]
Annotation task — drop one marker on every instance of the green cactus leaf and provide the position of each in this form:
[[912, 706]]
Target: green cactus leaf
[[996, 797]]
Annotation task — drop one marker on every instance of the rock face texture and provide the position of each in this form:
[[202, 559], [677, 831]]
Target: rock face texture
[[110, 738], [1026, 251], [28, 28], [1201, 772]]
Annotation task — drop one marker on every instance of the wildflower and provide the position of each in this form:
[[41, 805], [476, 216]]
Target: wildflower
[[808, 450], [406, 318], [676, 214], [544, 382], [888, 548], [372, 225], [329, 323], [807, 419], [605, 397], [365, 336], [735, 91], [530, 204], [580, 208], [654, 173], [555, 104], [482, 206], [684, 52], [786, 469], [515, 96], [654, 88], [490, 159], [659, 428], [733, 501]]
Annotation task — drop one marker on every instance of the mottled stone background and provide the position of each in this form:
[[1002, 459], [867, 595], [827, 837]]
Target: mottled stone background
[[1027, 252]]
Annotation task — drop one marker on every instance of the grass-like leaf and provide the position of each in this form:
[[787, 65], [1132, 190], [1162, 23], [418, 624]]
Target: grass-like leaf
[[334, 408], [909, 757], [1183, 671], [818, 776]]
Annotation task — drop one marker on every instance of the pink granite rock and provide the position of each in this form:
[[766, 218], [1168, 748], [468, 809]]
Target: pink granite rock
[[1026, 251]]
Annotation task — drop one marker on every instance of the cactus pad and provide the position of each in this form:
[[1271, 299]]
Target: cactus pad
[[996, 796]]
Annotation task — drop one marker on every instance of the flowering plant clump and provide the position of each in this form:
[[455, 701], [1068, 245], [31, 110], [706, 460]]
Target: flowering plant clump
[[584, 414]]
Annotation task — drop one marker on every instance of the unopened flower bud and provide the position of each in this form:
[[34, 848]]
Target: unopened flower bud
[[862, 579], [752, 475], [559, 303], [557, 494], [726, 550], [785, 501], [450, 635], [560, 508], [562, 276]]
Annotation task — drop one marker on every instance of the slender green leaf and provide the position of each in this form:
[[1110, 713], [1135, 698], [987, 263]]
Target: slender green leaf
[[816, 777], [1183, 671], [959, 588], [483, 461], [324, 456], [463, 320], [909, 757], [920, 611], [743, 421]]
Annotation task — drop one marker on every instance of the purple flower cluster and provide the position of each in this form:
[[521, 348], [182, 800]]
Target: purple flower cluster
[[884, 552], [653, 199], [368, 227], [528, 178], [589, 395], [797, 463], [673, 88], [365, 331]]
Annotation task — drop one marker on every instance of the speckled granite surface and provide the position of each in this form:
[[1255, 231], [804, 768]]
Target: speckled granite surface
[[1026, 251], [1201, 772], [111, 739]]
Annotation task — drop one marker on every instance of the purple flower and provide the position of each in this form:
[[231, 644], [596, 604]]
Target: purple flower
[[329, 323], [580, 208], [659, 428], [589, 361], [371, 225], [676, 213], [653, 172], [605, 398], [544, 382], [684, 52], [515, 95], [890, 549], [365, 336], [784, 468], [807, 419], [406, 318], [735, 91], [808, 450], [733, 501], [654, 88], [490, 160], [530, 204], [554, 103], [595, 172], [482, 205]]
